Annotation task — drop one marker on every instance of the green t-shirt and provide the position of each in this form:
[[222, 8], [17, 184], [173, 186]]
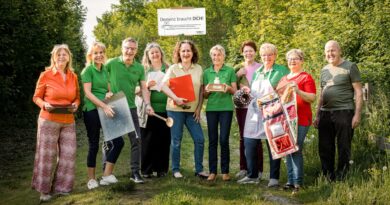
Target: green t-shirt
[[218, 101], [274, 75], [125, 78], [99, 84], [336, 84], [158, 100]]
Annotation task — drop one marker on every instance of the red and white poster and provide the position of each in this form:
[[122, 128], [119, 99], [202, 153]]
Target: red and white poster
[[280, 120]]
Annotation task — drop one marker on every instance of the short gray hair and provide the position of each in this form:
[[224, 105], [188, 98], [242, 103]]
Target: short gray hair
[[297, 52], [268, 47], [129, 39], [218, 48]]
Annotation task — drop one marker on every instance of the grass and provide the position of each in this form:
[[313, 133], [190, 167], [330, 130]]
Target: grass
[[368, 181]]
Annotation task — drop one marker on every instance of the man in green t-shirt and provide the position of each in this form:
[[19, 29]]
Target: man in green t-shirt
[[124, 75], [337, 113]]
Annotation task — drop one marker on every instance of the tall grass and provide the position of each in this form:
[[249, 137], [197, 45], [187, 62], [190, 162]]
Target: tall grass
[[368, 181]]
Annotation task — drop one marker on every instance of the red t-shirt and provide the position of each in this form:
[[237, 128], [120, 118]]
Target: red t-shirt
[[305, 83]]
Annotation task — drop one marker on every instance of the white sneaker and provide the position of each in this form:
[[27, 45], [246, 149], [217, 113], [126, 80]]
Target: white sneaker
[[106, 180], [247, 180], [273, 183], [241, 174], [177, 175], [45, 197], [92, 183]]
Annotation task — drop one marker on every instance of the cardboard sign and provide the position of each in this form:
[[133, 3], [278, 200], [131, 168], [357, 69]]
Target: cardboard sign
[[181, 21]]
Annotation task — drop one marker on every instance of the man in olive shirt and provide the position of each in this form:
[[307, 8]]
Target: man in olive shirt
[[125, 74], [337, 113]]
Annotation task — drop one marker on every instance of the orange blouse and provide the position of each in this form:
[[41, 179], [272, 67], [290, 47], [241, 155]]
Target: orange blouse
[[52, 88]]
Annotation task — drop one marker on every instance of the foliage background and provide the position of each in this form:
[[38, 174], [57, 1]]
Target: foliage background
[[30, 28]]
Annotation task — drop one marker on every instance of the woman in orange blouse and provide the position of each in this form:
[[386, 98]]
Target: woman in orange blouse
[[57, 94]]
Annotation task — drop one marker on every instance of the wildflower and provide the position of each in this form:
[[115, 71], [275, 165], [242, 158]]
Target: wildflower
[[384, 168], [312, 136], [350, 162]]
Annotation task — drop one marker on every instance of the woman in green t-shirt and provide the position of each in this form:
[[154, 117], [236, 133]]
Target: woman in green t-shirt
[[96, 88], [219, 110], [155, 136]]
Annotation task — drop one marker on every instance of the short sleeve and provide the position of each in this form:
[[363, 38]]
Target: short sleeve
[[309, 85], [86, 75], [205, 80], [233, 77], [354, 73], [142, 76], [169, 74]]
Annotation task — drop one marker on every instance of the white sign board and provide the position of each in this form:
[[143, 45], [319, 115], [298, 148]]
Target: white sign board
[[182, 21]]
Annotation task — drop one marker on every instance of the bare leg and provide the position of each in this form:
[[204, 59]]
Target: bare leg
[[108, 169], [91, 173]]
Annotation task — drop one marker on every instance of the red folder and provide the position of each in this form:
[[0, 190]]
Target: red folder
[[182, 87]]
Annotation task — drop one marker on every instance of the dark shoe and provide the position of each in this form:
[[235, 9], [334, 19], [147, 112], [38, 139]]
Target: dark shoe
[[161, 174], [295, 190], [288, 187], [136, 178], [202, 175]]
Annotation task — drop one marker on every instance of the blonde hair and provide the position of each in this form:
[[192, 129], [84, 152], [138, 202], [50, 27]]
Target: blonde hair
[[145, 59], [53, 58], [92, 48], [218, 48], [268, 47]]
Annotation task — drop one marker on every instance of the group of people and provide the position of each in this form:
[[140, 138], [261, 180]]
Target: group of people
[[58, 95]]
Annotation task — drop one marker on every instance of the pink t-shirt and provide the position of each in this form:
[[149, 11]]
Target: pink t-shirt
[[250, 70]]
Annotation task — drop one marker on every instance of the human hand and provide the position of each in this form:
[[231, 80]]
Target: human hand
[[74, 107], [108, 110], [108, 95], [356, 120], [149, 110], [151, 83], [294, 86], [180, 101], [316, 122], [246, 89], [241, 72], [197, 115], [48, 107]]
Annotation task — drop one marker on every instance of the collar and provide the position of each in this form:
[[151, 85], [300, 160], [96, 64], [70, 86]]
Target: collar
[[94, 66], [54, 70], [181, 66], [222, 68], [123, 62]]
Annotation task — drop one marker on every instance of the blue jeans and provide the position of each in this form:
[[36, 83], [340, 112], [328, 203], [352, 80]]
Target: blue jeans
[[224, 119], [180, 119], [295, 160], [274, 165], [252, 156]]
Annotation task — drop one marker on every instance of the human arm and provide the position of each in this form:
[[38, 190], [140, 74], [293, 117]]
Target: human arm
[[357, 87], [146, 97], [199, 106], [106, 108], [319, 105]]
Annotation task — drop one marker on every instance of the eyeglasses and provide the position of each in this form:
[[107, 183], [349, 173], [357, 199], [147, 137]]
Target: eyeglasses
[[293, 59], [130, 48]]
